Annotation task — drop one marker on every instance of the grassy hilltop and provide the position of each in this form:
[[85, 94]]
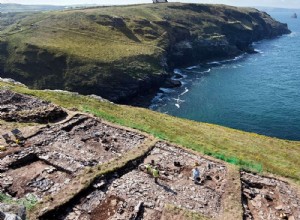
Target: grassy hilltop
[[123, 51]]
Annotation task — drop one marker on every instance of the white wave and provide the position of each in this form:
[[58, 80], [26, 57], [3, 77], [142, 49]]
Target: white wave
[[178, 101], [183, 83], [226, 61], [177, 71], [185, 91], [238, 57], [192, 67], [293, 34], [214, 63], [166, 90], [206, 71], [258, 51]]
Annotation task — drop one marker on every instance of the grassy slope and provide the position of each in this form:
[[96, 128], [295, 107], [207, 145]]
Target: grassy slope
[[277, 156], [82, 33], [79, 34]]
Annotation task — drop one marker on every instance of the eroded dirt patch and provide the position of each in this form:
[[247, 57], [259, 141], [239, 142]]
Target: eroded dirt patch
[[139, 197], [268, 198], [23, 108]]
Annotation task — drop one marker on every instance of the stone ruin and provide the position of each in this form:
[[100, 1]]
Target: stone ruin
[[268, 198], [15, 107], [49, 159], [133, 194]]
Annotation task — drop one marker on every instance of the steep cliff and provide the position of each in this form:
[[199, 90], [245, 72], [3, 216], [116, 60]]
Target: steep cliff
[[121, 52]]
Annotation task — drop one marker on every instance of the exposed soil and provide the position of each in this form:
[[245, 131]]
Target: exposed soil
[[268, 199], [136, 195], [23, 108], [107, 208], [37, 177]]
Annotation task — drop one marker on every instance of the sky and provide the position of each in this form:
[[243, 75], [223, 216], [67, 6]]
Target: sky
[[269, 3]]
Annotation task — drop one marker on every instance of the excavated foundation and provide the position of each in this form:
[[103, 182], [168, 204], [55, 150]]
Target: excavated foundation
[[23, 108], [268, 198], [134, 194], [49, 159]]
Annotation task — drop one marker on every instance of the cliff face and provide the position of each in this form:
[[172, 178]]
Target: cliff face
[[121, 52], [227, 33]]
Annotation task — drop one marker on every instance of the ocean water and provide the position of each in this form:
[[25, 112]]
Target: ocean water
[[255, 92]]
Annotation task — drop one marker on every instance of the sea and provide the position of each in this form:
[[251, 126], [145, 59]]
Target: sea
[[257, 93]]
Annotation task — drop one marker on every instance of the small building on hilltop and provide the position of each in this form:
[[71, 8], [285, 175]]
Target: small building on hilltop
[[160, 1]]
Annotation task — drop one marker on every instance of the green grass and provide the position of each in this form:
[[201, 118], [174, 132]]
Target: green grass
[[248, 150], [29, 201], [183, 214]]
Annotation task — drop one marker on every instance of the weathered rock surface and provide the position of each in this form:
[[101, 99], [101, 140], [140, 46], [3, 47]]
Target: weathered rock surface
[[22, 108]]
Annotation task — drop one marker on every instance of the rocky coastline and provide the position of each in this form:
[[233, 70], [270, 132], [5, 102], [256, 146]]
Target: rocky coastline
[[198, 34]]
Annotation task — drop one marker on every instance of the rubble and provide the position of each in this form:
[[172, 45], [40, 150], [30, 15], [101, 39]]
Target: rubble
[[23, 108], [268, 198], [134, 195]]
